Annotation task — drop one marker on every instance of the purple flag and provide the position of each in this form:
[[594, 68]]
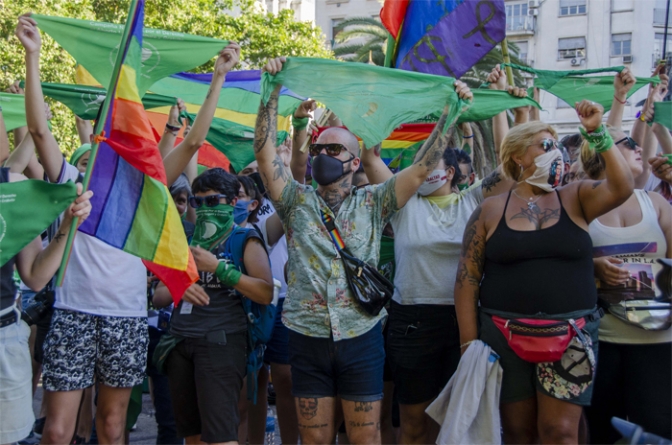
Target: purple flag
[[459, 40]]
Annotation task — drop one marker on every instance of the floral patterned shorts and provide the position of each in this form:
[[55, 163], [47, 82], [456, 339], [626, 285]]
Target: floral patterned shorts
[[80, 346]]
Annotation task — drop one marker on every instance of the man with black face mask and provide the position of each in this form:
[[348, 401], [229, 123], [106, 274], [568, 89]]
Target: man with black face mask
[[335, 347]]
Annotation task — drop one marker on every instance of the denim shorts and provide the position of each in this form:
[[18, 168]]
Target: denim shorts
[[352, 369], [423, 344], [277, 350]]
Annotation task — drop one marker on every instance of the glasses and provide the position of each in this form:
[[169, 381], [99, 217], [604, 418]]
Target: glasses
[[332, 149], [549, 144], [210, 200], [629, 142]]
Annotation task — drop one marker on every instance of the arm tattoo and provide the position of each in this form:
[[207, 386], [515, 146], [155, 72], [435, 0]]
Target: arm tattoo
[[473, 252], [431, 151], [280, 171], [267, 123], [491, 180], [537, 216], [207, 96], [596, 184], [59, 236]]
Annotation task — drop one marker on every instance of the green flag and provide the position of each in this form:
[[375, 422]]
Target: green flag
[[94, 45], [488, 103], [26, 209], [663, 114], [85, 101], [573, 86], [13, 110], [370, 100]]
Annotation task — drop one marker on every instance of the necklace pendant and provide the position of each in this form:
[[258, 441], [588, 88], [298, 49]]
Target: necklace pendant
[[532, 206]]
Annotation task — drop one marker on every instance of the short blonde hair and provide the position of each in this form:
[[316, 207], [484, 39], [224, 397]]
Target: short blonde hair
[[593, 162], [516, 143]]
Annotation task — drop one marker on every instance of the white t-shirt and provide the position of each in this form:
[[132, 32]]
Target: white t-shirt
[[277, 253], [427, 244], [101, 279]]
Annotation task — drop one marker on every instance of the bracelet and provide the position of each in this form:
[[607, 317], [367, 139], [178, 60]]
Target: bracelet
[[467, 343], [467, 137], [227, 274], [172, 127], [619, 100], [300, 123], [599, 140]]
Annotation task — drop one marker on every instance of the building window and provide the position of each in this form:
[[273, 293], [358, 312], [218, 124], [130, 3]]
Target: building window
[[572, 7], [659, 10], [658, 46], [516, 16], [620, 44], [571, 48], [522, 50], [334, 32]]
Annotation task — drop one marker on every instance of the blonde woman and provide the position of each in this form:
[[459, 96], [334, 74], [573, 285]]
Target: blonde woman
[[527, 254]]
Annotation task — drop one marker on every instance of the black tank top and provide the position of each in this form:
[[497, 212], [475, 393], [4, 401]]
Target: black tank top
[[546, 271], [7, 286]]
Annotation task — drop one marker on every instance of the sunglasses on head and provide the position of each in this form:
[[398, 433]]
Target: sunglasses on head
[[549, 144], [629, 142], [332, 149], [210, 200]]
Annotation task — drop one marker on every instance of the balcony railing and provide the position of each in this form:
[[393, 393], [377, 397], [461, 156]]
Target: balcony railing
[[659, 17], [521, 23]]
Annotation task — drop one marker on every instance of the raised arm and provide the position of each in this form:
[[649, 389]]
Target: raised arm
[[167, 142], [4, 140], [599, 197], [469, 275], [299, 161], [500, 122], [467, 138], [271, 168], [652, 136], [177, 160], [428, 156], [84, 130], [623, 82], [374, 167], [20, 132], [47, 147], [23, 159]]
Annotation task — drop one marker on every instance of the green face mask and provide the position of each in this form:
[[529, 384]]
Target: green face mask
[[212, 225], [464, 186]]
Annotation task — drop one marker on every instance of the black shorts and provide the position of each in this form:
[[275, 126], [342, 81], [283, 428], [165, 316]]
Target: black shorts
[[205, 382], [423, 344]]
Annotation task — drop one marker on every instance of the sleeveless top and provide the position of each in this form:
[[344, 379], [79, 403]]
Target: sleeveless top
[[547, 271], [638, 246], [7, 285]]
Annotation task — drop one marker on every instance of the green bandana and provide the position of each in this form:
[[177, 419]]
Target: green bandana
[[462, 187], [212, 225], [77, 154]]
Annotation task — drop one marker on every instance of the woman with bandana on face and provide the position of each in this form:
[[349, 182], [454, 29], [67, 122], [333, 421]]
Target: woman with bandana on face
[[528, 255], [423, 347]]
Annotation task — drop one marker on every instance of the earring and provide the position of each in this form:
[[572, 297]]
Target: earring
[[521, 170]]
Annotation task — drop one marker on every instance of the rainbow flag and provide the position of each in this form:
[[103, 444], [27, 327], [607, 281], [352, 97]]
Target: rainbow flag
[[132, 207]]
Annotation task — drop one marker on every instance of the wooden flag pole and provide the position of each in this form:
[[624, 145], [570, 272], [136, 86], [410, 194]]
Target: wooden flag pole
[[507, 59], [321, 122]]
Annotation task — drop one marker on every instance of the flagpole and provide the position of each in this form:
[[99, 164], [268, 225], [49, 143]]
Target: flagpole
[[389, 51], [507, 59], [100, 124]]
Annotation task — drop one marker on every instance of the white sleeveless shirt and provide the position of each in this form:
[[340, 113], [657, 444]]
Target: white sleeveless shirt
[[638, 246]]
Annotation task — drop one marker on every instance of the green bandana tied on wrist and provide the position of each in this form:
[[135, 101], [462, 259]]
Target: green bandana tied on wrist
[[599, 140], [300, 124], [228, 274], [213, 224]]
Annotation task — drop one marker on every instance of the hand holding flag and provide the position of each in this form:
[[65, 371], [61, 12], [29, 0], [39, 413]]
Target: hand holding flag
[[28, 35]]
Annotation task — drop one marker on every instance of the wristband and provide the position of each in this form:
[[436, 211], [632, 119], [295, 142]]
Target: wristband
[[467, 343], [619, 100], [467, 137], [599, 140], [228, 274], [172, 127], [300, 123]]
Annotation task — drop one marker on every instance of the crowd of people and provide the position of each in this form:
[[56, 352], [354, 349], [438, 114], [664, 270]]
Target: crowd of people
[[546, 250]]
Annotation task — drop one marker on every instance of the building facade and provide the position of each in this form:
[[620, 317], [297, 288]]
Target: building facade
[[329, 13]]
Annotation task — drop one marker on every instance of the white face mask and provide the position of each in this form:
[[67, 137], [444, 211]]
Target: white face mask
[[433, 182], [548, 174]]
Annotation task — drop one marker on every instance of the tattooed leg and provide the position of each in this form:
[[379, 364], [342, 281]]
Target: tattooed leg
[[316, 419], [362, 421]]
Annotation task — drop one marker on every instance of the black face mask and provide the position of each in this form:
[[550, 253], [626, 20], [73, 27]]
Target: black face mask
[[256, 177], [327, 169]]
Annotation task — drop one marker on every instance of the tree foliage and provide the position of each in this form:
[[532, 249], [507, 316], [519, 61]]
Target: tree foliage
[[361, 39], [261, 36]]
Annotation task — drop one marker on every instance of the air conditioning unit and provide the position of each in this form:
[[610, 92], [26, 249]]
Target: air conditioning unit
[[533, 4], [576, 61], [627, 59], [533, 12]]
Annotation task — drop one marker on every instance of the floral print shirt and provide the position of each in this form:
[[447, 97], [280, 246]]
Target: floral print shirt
[[319, 302]]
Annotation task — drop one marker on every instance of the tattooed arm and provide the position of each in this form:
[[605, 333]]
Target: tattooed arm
[[469, 275], [176, 161], [428, 156], [299, 161], [495, 183]]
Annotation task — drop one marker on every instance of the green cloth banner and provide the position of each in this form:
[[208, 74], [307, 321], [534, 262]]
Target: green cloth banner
[[85, 101], [234, 140], [13, 110], [370, 100], [488, 103], [573, 86], [94, 45], [21, 223], [663, 114]]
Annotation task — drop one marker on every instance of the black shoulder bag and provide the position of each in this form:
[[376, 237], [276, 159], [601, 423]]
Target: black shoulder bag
[[370, 288]]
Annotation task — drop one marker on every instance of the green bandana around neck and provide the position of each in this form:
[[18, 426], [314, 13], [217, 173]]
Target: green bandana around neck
[[212, 225], [462, 187]]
